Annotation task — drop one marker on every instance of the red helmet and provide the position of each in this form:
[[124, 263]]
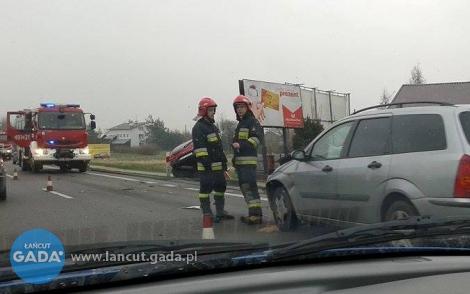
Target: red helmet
[[241, 99], [204, 104]]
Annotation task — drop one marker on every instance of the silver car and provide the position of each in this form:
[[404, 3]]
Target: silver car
[[378, 165]]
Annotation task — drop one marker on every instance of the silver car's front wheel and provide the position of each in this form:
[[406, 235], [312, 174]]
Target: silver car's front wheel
[[283, 210]]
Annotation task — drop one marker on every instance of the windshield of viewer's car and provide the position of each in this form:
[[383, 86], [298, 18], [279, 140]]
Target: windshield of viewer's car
[[180, 132]]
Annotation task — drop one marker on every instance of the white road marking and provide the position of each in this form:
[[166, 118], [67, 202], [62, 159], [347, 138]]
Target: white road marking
[[227, 193], [58, 194], [166, 185], [122, 178], [192, 207], [9, 176]]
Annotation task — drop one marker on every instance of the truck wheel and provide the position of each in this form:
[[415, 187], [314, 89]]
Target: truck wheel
[[35, 167], [24, 165], [82, 167]]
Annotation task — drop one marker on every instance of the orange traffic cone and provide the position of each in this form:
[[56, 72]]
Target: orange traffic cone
[[207, 230], [15, 175], [49, 184]]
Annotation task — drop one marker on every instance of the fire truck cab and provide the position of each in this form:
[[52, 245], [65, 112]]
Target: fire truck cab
[[53, 134]]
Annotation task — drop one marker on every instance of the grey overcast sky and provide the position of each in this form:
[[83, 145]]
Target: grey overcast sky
[[127, 59]]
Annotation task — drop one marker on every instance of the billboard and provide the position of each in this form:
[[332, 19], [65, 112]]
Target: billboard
[[326, 106], [281, 103], [99, 148]]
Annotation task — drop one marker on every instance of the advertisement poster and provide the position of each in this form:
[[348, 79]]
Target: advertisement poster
[[281, 104]]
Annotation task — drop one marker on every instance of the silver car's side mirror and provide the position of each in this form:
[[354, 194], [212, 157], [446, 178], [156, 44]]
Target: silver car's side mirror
[[299, 155]]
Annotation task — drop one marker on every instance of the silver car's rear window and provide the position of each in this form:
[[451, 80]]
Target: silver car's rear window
[[417, 133], [465, 122]]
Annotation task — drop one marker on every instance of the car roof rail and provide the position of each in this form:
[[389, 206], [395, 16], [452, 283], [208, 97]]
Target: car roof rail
[[400, 105]]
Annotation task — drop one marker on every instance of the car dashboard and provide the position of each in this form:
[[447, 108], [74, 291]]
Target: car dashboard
[[402, 274]]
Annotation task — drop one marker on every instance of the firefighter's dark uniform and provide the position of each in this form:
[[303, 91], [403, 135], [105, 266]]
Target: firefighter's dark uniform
[[211, 164], [249, 135]]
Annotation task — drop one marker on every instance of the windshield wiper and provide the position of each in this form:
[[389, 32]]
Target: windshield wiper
[[209, 248], [160, 246], [407, 228]]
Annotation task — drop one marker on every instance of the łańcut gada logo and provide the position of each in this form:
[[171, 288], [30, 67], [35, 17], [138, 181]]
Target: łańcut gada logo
[[37, 256]]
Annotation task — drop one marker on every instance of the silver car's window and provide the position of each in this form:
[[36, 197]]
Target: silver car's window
[[465, 122], [371, 138], [418, 132], [331, 144]]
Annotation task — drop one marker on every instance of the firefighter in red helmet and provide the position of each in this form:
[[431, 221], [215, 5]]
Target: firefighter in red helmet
[[247, 138], [211, 160]]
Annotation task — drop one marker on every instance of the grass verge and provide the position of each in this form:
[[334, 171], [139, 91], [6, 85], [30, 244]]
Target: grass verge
[[137, 162]]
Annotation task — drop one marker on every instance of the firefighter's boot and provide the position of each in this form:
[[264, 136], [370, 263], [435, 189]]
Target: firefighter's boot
[[206, 207], [255, 215], [221, 214], [252, 220]]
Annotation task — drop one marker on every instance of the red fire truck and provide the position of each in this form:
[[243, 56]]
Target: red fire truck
[[52, 134]]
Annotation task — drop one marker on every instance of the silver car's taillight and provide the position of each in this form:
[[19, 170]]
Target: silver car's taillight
[[462, 180]]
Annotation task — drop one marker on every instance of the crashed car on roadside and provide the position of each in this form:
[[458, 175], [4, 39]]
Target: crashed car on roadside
[[182, 161]]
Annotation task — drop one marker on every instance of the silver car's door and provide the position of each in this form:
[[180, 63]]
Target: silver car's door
[[363, 172], [316, 179]]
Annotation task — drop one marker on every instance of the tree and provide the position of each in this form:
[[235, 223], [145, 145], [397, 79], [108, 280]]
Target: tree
[[385, 99], [93, 136], [227, 130], [302, 137], [3, 124], [417, 77], [173, 139], [156, 130], [186, 135], [159, 135]]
